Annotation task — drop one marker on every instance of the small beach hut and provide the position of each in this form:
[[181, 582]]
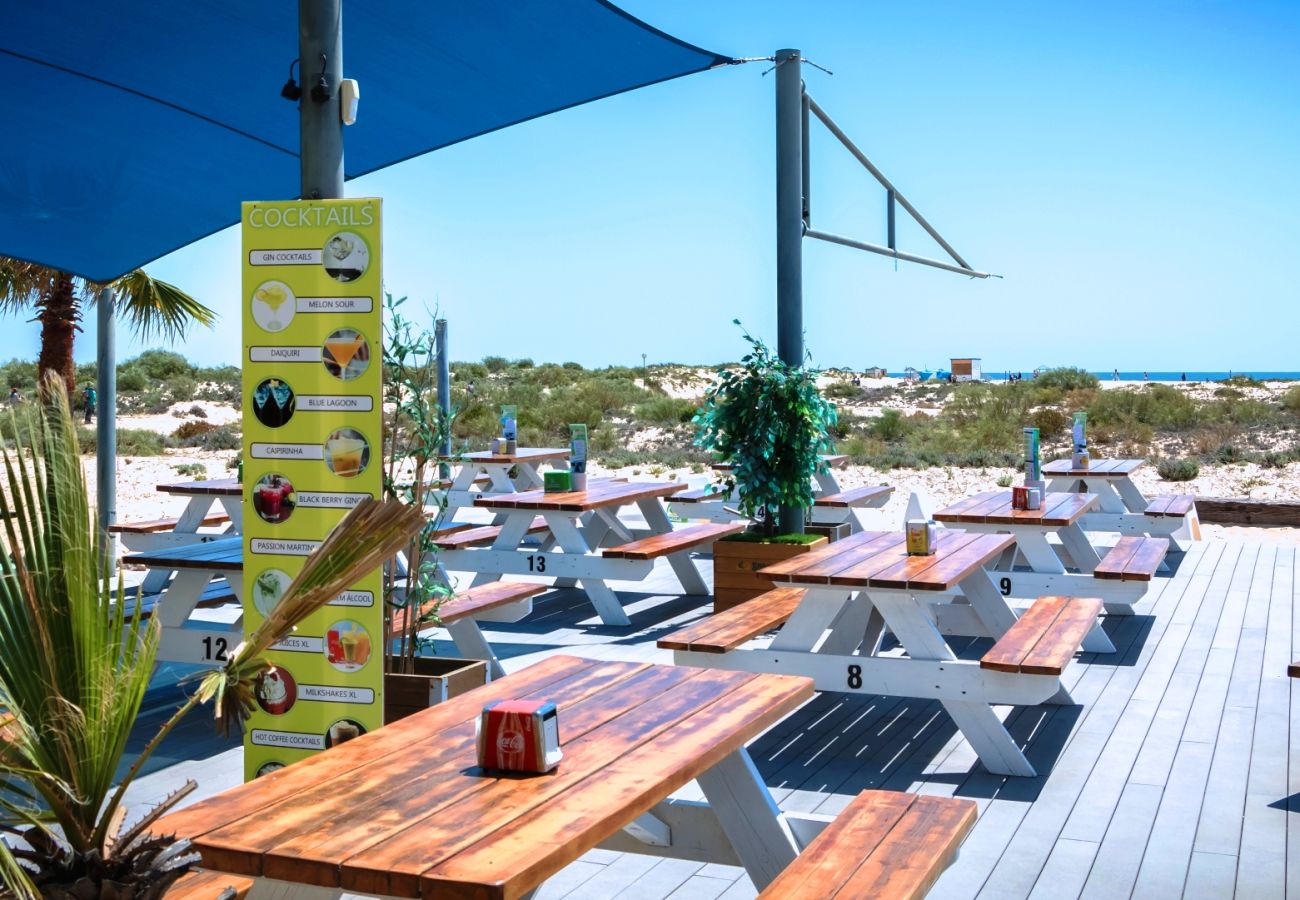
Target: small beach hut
[[966, 369], [875, 372]]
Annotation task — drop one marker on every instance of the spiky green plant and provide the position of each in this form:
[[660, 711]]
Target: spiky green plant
[[73, 673]]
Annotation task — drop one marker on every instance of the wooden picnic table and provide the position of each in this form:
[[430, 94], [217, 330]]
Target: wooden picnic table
[[1110, 479], [227, 493], [525, 463], [586, 544], [404, 811], [833, 604], [1061, 515], [205, 573], [1121, 506]]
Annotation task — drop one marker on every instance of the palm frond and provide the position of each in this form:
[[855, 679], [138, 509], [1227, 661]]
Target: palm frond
[[22, 283], [14, 877], [72, 673], [368, 536], [152, 307]]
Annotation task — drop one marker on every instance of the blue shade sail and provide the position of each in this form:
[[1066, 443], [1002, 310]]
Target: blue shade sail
[[137, 127]]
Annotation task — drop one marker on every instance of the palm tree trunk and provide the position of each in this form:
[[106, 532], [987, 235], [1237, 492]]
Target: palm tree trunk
[[59, 314]]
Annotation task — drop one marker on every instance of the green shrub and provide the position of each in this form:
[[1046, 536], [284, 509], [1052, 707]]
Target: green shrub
[[221, 375], [889, 426], [1278, 459], [1291, 399], [1230, 454], [182, 388], [1051, 423], [495, 364], [1158, 405], [524, 363], [130, 442], [192, 470], [1178, 469], [842, 390], [665, 409], [1004, 481], [572, 366], [161, 365], [18, 373], [132, 378], [1065, 379]]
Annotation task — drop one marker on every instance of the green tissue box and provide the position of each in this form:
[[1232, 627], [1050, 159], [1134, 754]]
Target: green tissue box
[[557, 481]]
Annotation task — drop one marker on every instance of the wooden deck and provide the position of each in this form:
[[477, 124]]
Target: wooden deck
[[1174, 776]]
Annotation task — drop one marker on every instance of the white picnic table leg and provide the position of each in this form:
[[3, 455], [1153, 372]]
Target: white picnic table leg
[[471, 644], [1107, 499], [527, 476], [749, 816], [187, 522], [1132, 497], [978, 723], [1063, 485], [990, 606], [827, 482], [1080, 548], [683, 567], [858, 625], [602, 598], [1034, 547], [810, 619], [234, 507], [512, 533]]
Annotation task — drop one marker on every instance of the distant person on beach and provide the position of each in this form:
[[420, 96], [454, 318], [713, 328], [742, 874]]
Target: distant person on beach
[[89, 397], [1145, 377], [14, 397], [1184, 376], [1115, 375]]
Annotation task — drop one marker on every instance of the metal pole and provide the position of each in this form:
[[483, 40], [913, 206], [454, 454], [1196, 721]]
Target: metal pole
[[444, 392], [806, 159], [106, 412], [789, 228], [889, 217], [814, 234], [885, 182], [320, 52]]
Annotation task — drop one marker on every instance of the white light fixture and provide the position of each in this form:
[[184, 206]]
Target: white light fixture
[[349, 97]]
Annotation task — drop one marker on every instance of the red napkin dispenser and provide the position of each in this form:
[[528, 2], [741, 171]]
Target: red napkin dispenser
[[519, 736]]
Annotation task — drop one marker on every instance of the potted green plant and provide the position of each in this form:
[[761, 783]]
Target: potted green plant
[[414, 433], [770, 424], [73, 672]]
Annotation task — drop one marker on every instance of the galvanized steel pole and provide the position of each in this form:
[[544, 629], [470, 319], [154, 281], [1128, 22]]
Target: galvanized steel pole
[[789, 228], [444, 391], [106, 412], [320, 68]]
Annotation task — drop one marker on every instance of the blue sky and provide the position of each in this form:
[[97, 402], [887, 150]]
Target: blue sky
[[1131, 168]]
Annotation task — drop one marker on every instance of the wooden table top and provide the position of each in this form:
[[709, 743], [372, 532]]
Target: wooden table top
[[521, 454], [216, 487], [598, 494], [879, 559], [834, 460], [994, 508], [405, 808], [223, 555], [1105, 468]]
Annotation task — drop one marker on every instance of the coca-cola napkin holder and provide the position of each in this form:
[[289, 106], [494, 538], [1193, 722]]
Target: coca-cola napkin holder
[[519, 736]]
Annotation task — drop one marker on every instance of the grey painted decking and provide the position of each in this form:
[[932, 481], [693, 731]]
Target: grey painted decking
[[1174, 775]]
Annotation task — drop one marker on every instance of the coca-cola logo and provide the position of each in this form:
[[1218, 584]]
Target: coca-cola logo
[[510, 742]]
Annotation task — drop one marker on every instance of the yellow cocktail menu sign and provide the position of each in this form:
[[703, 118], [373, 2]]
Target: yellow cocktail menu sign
[[313, 346]]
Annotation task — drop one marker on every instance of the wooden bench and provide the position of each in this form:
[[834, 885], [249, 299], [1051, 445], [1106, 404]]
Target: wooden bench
[[460, 536], [1178, 506], [858, 496], [500, 601], [886, 845], [1133, 559], [475, 600], [727, 630], [658, 545], [216, 593], [204, 884], [1044, 639], [157, 525]]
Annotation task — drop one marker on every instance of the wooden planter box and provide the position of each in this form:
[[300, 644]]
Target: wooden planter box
[[734, 565], [436, 678]]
